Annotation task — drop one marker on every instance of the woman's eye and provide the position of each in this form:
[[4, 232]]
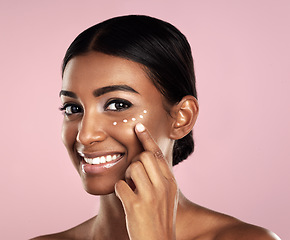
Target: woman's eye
[[70, 109], [118, 105]]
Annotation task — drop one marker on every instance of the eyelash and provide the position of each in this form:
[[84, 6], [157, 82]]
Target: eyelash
[[123, 104], [65, 107], [74, 108]]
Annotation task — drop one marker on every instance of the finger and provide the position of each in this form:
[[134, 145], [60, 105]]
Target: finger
[[152, 167], [147, 141], [150, 145], [124, 193], [137, 175]]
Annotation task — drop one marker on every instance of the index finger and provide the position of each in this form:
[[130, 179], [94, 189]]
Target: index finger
[[150, 145], [147, 141]]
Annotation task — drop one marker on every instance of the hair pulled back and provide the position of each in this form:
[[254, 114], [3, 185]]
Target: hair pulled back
[[160, 47]]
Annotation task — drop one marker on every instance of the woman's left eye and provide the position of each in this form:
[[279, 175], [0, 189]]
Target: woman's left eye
[[117, 105]]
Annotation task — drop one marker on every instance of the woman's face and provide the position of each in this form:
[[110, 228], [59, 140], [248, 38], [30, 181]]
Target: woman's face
[[103, 98]]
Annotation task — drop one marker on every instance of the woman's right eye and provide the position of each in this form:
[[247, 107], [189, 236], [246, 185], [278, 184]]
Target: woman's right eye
[[70, 109]]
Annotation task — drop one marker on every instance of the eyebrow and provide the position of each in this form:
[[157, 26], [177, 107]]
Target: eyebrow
[[67, 93], [104, 90], [101, 91]]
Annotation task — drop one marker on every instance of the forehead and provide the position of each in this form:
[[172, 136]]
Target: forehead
[[98, 70]]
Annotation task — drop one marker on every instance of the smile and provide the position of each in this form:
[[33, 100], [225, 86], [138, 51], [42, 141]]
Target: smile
[[98, 162], [102, 159]]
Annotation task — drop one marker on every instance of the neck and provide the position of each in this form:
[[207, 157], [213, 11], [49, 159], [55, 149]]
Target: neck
[[110, 222]]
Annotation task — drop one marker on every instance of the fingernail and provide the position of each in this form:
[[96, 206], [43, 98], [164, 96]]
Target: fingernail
[[140, 127]]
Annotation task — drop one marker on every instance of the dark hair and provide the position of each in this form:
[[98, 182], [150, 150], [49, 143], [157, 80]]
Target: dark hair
[[160, 47]]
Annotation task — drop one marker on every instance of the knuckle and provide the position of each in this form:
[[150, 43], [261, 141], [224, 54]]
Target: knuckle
[[168, 185], [136, 206], [162, 187], [135, 166], [146, 156], [173, 185], [164, 184], [151, 199]]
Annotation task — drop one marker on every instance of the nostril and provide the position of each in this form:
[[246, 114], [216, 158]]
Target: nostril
[[90, 130], [88, 138]]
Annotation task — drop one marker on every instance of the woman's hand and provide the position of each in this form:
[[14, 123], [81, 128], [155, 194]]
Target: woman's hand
[[150, 193]]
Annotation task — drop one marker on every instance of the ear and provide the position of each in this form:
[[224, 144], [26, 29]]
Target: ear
[[184, 117]]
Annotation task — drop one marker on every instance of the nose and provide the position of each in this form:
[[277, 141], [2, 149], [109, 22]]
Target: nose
[[91, 130]]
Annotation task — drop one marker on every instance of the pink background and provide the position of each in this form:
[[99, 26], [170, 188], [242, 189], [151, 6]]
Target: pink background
[[241, 164]]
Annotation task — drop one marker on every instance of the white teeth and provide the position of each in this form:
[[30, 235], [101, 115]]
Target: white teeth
[[96, 160], [81, 154], [89, 160], [109, 158], [102, 159]]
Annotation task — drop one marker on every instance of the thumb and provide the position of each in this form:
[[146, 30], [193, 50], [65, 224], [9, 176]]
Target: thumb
[[124, 193]]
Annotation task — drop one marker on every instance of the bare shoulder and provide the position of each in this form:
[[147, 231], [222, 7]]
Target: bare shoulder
[[212, 225], [243, 231], [80, 231], [54, 236]]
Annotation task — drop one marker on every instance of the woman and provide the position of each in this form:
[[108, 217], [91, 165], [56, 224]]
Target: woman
[[130, 103]]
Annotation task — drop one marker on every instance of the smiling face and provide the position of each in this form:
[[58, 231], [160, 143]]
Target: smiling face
[[103, 98]]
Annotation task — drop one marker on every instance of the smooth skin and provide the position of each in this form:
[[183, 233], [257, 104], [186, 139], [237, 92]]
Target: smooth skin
[[139, 196]]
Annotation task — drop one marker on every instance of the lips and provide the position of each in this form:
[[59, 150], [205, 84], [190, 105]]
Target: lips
[[102, 159], [97, 162]]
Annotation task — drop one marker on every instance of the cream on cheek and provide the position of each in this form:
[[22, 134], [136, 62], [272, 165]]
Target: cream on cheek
[[123, 130], [132, 119]]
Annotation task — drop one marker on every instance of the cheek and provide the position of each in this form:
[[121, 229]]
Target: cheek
[[130, 120], [69, 133], [159, 127], [123, 131]]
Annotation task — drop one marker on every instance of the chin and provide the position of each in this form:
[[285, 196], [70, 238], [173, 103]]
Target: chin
[[98, 191], [99, 186]]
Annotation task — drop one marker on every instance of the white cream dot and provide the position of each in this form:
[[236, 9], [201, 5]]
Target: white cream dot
[[145, 111], [133, 119], [115, 123], [125, 120], [141, 116]]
